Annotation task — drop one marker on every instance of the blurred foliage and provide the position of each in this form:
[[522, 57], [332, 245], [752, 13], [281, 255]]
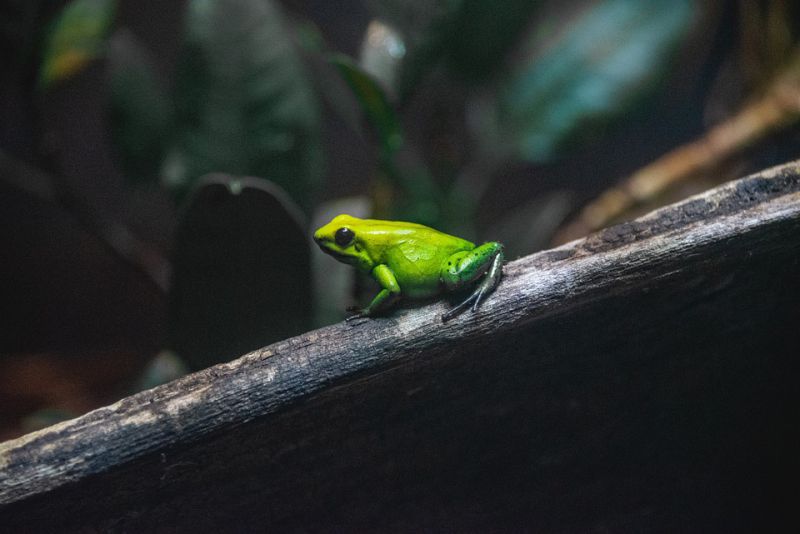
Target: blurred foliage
[[78, 37], [141, 114], [380, 113], [574, 74], [471, 37], [455, 114], [534, 79], [404, 189], [244, 101]]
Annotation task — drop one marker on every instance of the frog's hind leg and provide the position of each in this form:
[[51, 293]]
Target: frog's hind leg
[[464, 268]]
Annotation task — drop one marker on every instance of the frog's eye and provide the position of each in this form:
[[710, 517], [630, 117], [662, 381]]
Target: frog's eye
[[344, 236]]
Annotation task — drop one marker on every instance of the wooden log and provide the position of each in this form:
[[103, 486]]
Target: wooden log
[[639, 379]]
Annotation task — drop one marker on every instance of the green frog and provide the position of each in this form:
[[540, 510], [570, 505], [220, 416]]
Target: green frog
[[411, 260]]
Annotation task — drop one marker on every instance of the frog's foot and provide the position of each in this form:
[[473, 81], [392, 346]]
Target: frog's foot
[[446, 316], [487, 285], [474, 299], [358, 313]]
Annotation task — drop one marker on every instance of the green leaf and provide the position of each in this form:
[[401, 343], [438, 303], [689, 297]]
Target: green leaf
[[244, 102], [581, 72], [141, 112], [77, 37]]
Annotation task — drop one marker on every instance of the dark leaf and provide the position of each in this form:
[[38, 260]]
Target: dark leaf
[[242, 276]]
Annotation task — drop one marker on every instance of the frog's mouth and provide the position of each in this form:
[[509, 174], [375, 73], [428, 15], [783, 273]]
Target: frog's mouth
[[344, 258]]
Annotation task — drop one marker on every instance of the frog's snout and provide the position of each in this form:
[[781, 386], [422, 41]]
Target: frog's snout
[[321, 241]]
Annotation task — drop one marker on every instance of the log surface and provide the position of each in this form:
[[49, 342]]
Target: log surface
[[641, 378]]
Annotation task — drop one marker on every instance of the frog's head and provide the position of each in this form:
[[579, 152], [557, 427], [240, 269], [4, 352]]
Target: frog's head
[[340, 238]]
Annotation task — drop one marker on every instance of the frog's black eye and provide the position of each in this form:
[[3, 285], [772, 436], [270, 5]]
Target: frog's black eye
[[344, 236]]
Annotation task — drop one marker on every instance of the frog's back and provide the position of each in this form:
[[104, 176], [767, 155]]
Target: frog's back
[[413, 252]]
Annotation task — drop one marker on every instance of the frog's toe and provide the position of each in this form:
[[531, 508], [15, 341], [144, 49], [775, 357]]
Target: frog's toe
[[479, 296], [458, 309]]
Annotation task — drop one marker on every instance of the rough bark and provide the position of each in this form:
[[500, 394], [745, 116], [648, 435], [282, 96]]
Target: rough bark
[[641, 378]]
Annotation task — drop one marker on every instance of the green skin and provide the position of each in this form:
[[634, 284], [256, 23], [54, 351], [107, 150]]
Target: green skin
[[411, 260]]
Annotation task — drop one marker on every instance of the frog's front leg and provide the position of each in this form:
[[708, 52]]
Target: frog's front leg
[[463, 268], [386, 297]]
